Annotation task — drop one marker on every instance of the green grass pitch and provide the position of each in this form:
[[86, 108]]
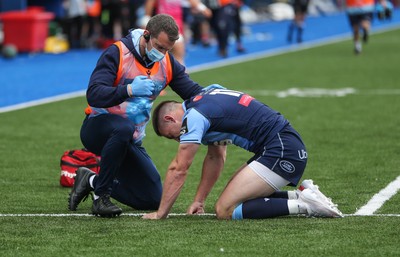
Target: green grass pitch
[[353, 144]]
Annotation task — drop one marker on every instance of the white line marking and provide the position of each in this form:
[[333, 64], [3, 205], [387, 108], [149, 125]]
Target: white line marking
[[43, 101], [380, 198], [372, 215], [382, 91], [293, 92], [141, 214], [305, 92], [321, 92], [86, 214]]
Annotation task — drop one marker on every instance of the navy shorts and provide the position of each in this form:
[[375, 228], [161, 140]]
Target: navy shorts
[[356, 19], [284, 154]]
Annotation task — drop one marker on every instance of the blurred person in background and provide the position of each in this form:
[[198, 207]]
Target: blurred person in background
[[128, 77], [92, 27], [136, 8], [224, 13], [116, 15], [360, 14], [238, 28], [384, 9], [75, 22], [175, 9], [300, 11], [200, 29]]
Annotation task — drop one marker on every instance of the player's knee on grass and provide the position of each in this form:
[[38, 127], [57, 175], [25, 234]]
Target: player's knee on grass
[[223, 211]]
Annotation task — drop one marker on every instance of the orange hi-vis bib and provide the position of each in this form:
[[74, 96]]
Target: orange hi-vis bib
[[359, 6], [136, 109]]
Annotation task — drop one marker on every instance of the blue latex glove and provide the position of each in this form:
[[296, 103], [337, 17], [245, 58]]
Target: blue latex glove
[[142, 86], [213, 86]]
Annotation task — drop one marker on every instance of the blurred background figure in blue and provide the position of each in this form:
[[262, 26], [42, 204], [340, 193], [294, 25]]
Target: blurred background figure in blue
[[300, 11], [384, 9]]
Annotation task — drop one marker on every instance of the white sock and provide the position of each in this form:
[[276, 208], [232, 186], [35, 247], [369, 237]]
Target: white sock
[[296, 207], [292, 195], [91, 181], [358, 45], [95, 197]]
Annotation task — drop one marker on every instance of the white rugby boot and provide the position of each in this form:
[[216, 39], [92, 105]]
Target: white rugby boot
[[308, 183], [316, 207]]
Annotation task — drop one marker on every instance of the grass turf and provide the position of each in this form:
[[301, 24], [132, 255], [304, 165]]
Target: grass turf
[[353, 144]]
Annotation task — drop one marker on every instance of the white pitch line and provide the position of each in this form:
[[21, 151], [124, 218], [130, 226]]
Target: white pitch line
[[380, 198], [372, 215], [141, 214], [293, 92], [86, 214], [46, 100], [321, 92]]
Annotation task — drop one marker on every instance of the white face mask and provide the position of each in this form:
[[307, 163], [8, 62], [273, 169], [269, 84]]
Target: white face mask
[[154, 55]]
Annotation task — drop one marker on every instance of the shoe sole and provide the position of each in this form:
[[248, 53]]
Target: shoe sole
[[327, 201], [110, 215], [332, 213], [70, 207]]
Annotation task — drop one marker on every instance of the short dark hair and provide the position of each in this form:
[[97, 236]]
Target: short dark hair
[[163, 23], [158, 112]]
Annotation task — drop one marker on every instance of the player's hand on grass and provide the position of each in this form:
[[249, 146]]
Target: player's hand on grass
[[151, 216], [196, 208]]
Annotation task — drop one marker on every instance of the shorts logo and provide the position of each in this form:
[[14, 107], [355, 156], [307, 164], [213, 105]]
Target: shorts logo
[[302, 154], [287, 166]]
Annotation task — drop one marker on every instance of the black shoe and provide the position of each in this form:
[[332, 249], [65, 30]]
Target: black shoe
[[240, 48], [223, 53], [205, 43], [365, 36], [81, 188], [299, 40], [103, 207]]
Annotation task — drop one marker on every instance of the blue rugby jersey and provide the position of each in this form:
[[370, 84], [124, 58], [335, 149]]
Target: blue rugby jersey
[[222, 116]]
